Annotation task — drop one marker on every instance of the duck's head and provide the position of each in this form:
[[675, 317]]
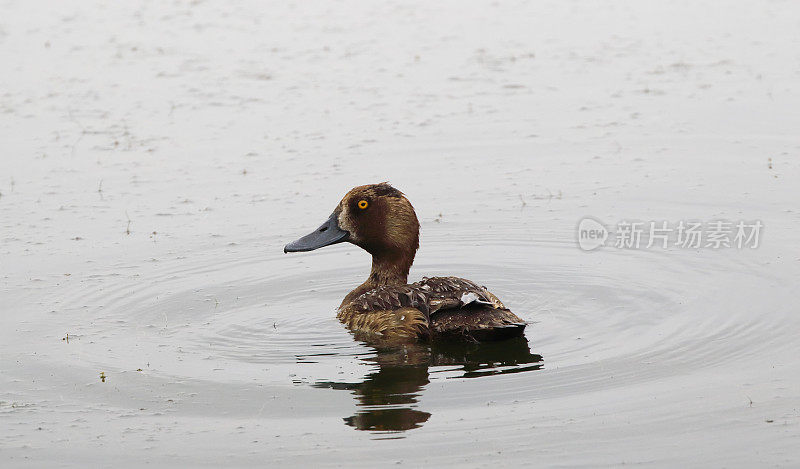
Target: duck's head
[[376, 217]]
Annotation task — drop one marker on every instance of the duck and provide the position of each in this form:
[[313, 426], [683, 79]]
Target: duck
[[380, 220]]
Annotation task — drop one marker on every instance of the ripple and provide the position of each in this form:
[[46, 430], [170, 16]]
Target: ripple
[[601, 321]]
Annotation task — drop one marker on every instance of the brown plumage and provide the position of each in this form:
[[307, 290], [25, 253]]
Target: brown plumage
[[379, 219]]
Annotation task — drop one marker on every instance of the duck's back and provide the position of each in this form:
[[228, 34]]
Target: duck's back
[[436, 307]]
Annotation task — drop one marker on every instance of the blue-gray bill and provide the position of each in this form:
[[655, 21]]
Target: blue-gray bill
[[328, 233]]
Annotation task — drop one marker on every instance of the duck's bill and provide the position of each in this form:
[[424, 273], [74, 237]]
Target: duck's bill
[[328, 233]]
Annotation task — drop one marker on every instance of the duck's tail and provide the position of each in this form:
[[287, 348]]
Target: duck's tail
[[477, 322]]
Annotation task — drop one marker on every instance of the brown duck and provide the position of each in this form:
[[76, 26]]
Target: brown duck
[[379, 219]]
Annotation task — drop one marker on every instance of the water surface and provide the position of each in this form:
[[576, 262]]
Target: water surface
[[156, 158]]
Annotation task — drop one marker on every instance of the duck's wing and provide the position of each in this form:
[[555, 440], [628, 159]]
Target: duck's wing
[[460, 307], [455, 292], [389, 297], [428, 295], [451, 305]]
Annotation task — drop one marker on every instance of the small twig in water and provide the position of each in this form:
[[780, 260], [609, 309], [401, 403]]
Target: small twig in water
[[128, 228]]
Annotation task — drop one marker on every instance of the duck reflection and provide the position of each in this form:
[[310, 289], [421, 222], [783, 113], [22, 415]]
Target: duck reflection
[[388, 397]]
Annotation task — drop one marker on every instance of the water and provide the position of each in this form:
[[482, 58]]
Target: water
[[156, 158]]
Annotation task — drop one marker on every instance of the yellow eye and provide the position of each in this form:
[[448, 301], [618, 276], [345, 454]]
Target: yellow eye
[[362, 204]]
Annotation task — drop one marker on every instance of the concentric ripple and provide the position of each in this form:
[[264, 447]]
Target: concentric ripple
[[272, 320]]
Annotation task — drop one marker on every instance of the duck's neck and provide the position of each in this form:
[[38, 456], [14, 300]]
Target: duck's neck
[[390, 269], [387, 269]]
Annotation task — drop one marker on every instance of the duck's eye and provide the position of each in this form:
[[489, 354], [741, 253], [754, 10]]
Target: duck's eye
[[362, 204]]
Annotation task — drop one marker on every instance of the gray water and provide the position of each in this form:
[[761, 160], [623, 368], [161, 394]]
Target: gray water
[[156, 158]]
